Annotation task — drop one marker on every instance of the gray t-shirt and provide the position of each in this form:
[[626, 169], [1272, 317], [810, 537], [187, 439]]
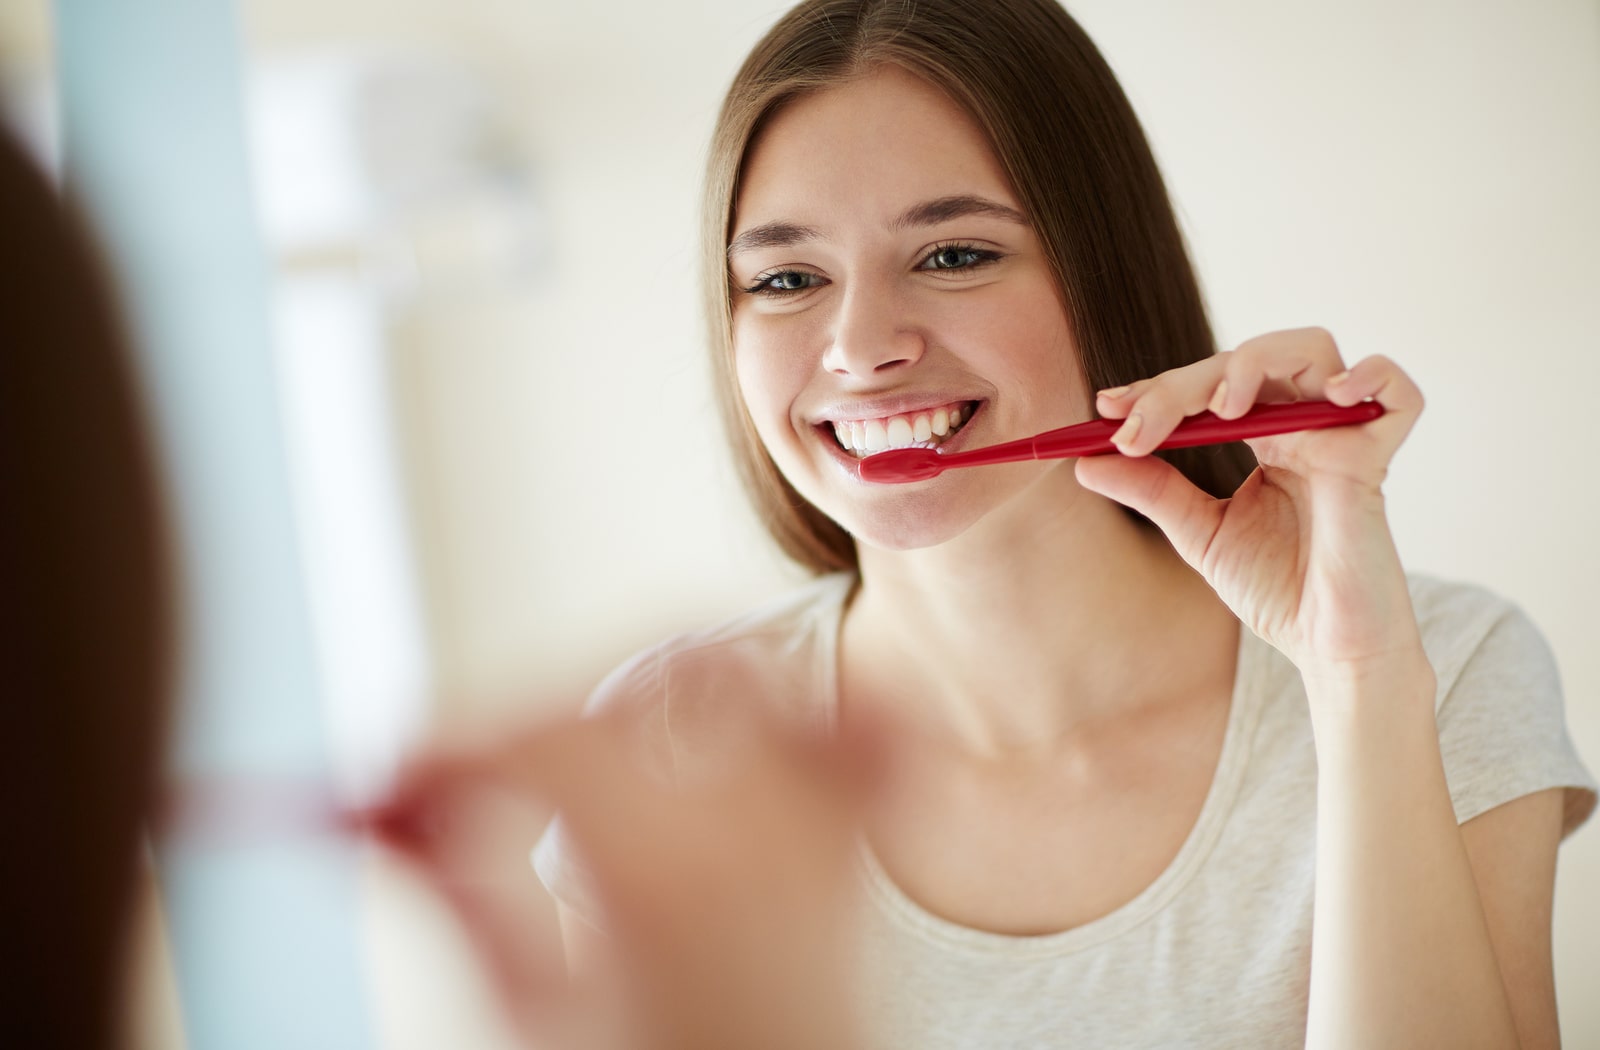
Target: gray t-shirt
[[1216, 951]]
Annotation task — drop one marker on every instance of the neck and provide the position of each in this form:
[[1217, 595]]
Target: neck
[[1039, 620]]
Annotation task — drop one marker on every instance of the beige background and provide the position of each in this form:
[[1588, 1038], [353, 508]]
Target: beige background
[[1420, 177]]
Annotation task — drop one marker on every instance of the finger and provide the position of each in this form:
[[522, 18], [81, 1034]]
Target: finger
[[431, 782], [1118, 402], [1382, 380], [519, 950], [1114, 402], [1155, 406], [558, 760], [1280, 366], [613, 799], [1159, 491], [414, 816], [465, 837]]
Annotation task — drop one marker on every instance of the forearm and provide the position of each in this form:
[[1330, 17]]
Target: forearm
[[1401, 954]]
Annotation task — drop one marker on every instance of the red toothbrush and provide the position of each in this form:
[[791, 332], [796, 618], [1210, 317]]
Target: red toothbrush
[[899, 465]]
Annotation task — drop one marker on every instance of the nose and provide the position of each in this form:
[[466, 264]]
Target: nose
[[871, 334]]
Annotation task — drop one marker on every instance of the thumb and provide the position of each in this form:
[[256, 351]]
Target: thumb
[[1155, 488]]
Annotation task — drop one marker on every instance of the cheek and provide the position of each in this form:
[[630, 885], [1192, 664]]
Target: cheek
[[756, 396], [754, 380], [771, 373], [764, 405], [1042, 355]]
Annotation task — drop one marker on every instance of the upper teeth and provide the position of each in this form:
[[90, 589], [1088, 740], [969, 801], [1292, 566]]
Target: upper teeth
[[928, 427]]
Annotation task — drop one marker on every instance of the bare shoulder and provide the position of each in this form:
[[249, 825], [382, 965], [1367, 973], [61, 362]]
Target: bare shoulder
[[689, 695]]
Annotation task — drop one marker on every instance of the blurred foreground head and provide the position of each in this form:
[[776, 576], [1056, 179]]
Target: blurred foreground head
[[85, 626]]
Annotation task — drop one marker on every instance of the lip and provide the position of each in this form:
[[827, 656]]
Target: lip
[[877, 408]]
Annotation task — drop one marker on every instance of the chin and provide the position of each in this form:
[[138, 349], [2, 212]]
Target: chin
[[908, 528], [931, 513]]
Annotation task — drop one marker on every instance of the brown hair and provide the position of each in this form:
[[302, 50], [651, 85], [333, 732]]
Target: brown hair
[[86, 626], [1075, 155]]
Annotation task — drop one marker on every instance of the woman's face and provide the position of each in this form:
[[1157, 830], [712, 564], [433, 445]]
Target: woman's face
[[888, 290]]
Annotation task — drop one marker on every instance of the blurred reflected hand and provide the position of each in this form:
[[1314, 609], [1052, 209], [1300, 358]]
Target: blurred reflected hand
[[726, 902]]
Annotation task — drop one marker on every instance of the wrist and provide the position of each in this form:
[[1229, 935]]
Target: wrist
[[1375, 734], [1372, 711], [1373, 690]]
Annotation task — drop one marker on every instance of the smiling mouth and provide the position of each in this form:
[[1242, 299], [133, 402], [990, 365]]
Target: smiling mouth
[[928, 428]]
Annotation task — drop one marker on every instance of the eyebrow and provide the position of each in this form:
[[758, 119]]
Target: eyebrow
[[931, 213], [772, 235], [928, 213]]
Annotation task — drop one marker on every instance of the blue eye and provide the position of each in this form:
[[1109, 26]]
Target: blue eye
[[784, 282], [957, 257]]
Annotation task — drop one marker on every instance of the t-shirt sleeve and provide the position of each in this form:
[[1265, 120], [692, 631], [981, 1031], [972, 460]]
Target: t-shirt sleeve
[[1502, 725], [634, 690]]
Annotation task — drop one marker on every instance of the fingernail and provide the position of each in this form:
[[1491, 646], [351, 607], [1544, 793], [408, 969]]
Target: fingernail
[[1341, 377], [1219, 399], [1128, 431], [1116, 391]]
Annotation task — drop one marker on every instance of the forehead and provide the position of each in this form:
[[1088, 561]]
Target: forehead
[[865, 149]]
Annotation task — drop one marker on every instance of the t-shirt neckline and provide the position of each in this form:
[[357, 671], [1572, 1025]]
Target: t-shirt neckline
[[910, 916]]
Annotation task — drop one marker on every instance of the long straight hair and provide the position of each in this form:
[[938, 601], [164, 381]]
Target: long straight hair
[[1076, 158]]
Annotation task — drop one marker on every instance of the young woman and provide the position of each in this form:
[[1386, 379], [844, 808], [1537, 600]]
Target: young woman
[[1186, 759]]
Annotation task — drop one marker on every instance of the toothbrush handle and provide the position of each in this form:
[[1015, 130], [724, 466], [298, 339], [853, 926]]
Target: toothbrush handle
[[1094, 438]]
